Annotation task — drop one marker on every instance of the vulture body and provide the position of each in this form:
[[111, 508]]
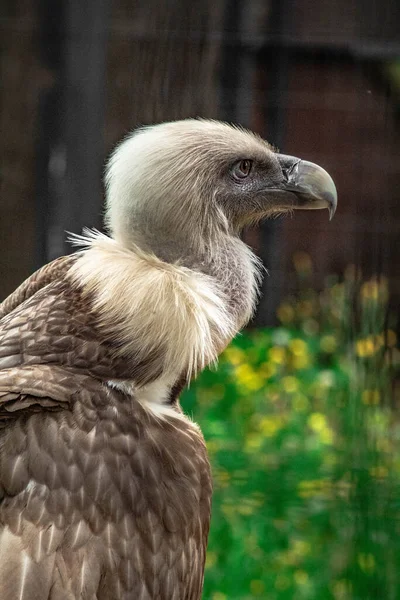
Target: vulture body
[[105, 485]]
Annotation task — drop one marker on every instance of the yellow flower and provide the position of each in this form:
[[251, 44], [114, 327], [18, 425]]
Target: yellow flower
[[366, 562], [328, 343], [365, 347], [219, 596], [245, 509], [301, 362], [254, 384], [290, 384], [269, 426], [315, 487], [267, 370], [244, 372], [342, 589], [300, 548], [211, 559], [298, 347], [254, 441], [222, 478], [317, 421], [326, 436], [213, 446], [277, 355], [368, 346], [234, 355], [370, 290], [229, 510], [248, 378], [374, 290], [371, 397]]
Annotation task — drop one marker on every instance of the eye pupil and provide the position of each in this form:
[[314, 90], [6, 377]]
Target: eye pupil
[[245, 166], [242, 168]]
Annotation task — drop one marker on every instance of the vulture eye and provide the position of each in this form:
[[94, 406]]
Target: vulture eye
[[242, 169]]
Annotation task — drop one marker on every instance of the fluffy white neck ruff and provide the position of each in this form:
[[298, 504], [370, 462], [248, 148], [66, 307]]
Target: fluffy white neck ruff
[[154, 308]]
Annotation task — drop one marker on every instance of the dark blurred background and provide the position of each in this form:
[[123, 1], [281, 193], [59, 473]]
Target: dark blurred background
[[302, 417], [317, 79]]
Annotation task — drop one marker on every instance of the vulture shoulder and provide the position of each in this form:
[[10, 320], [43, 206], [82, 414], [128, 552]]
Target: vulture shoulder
[[38, 280], [99, 496], [29, 383]]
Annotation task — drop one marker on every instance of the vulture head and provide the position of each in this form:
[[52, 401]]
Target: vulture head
[[184, 183]]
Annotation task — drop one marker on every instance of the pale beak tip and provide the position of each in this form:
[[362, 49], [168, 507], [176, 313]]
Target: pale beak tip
[[331, 199]]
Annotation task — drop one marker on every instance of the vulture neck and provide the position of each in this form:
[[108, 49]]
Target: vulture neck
[[223, 257], [171, 310]]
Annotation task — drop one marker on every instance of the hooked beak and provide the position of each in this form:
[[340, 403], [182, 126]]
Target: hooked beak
[[311, 186]]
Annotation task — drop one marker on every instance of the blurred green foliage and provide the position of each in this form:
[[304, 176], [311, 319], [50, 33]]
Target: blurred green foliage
[[303, 435]]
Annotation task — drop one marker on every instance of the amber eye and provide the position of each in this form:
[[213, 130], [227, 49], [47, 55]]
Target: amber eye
[[242, 168]]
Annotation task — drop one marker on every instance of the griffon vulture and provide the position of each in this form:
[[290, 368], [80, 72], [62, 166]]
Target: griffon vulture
[[105, 485]]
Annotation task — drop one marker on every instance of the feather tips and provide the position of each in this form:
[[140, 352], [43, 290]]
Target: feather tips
[[21, 577]]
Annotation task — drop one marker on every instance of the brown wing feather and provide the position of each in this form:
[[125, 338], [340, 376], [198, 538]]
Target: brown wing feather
[[38, 280], [29, 389], [121, 503], [21, 576], [99, 499]]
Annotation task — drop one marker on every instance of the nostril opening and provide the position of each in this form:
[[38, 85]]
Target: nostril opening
[[291, 170]]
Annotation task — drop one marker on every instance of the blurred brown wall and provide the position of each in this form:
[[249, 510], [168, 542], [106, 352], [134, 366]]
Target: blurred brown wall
[[339, 115], [166, 61], [21, 81]]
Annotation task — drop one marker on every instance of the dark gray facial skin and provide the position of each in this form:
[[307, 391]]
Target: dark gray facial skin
[[278, 184]]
